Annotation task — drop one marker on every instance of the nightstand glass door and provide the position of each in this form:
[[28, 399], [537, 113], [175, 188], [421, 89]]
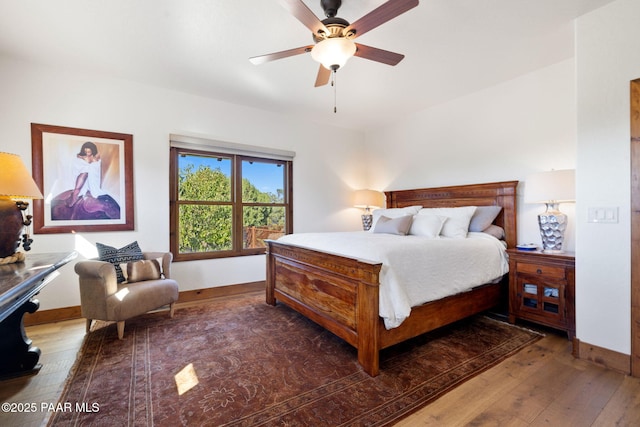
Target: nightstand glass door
[[540, 298], [550, 302], [530, 295]]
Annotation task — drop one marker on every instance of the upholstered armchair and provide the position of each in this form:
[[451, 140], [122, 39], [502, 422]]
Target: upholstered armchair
[[103, 298]]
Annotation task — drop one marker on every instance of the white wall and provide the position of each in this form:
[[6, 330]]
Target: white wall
[[326, 168], [502, 133], [607, 55]]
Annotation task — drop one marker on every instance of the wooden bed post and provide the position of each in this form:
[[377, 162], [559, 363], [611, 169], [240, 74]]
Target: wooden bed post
[[271, 271], [369, 328]]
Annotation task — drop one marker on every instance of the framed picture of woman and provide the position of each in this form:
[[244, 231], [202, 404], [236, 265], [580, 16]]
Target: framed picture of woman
[[86, 177]]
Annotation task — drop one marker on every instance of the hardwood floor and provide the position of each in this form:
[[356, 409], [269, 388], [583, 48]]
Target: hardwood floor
[[541, 385]]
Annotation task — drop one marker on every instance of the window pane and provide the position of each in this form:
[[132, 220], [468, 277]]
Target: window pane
[[205, 228], [260, 223], [226, 204], [262, 182], [204, 178]]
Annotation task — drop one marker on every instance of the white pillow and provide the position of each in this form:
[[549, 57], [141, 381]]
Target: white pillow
[[427, 225], [393, 213], [398, 225], [484, 217], [495, 231], [458, 219]]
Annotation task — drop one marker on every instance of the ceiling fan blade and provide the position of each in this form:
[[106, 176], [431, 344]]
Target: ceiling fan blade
[[257, 60], [300, 10], [323, 76], [379, 16], [378, 55]]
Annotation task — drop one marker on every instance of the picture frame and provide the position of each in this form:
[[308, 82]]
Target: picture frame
[[86, 177]]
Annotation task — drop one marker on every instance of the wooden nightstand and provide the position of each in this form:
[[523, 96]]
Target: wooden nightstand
[[542, 289]]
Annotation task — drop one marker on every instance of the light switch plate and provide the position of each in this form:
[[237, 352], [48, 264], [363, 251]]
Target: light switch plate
[[603, 215]]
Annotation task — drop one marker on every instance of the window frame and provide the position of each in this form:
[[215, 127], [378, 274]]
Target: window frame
[[236, 203]]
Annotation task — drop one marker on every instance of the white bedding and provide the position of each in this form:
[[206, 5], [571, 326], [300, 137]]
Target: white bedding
[[415, 269]]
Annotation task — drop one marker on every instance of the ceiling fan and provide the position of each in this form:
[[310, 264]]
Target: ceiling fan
[[334, 36]]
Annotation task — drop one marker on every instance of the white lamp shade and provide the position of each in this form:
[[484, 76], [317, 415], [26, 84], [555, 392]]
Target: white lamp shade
[[556, 186], [367, 199], [15, 180], [334, 52]]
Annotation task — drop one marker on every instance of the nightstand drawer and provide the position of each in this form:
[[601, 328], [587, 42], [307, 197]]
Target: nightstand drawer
[[541, 270]]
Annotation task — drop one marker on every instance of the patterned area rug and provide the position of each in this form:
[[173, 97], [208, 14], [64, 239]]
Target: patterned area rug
[[242, 362]]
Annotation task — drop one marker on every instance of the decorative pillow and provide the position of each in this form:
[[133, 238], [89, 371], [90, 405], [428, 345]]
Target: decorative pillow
[[457, 223], [145, 269], [393, 213], [398, 225], [495, 231], [130, 252], [483, 217], [427, 225]]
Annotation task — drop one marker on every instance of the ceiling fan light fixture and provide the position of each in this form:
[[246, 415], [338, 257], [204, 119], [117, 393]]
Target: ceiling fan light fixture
[[333, 52]]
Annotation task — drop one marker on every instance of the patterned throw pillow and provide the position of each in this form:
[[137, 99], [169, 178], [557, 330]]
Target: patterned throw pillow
[[130, 252]]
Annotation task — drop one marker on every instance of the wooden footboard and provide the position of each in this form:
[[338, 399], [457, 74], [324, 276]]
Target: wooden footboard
[[342, 294], [338, 293]]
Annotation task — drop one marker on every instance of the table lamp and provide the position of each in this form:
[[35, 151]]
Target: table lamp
[[552, 188], [16, 184], [367, 200]]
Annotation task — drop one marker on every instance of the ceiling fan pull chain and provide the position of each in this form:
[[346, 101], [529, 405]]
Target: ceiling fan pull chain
[[333, 83]]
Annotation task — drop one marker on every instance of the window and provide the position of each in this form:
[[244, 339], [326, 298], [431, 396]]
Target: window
[[225, 204]]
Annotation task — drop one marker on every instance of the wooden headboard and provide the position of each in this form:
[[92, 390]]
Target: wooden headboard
[[489, 194]]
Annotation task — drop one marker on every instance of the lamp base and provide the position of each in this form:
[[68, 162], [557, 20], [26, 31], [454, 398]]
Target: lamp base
[[11, 225], [11, 259], [367, 220], [553, 224]]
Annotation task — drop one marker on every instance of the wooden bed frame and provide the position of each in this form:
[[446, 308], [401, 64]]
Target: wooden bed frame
[[341, 293]]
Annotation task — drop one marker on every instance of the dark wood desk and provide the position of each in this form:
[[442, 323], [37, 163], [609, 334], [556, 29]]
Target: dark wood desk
[[19, 282]]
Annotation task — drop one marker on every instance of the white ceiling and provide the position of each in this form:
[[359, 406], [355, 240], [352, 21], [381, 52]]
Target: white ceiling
[[452, 47]]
